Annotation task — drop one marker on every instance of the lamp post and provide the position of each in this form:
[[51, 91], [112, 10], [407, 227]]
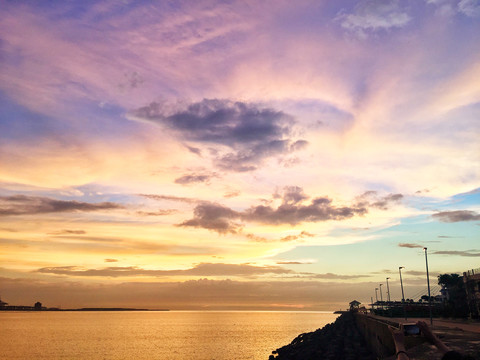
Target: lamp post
[[381, 296], [376, 297], [403, 295], [428, 285], [388, 291]]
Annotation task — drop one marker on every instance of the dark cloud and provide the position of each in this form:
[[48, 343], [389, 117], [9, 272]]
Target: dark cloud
[[220, 121], [194, 150], [467, 253], [319, 209], [194, 178], [292, 262], [247, 159], [292, 211], [410, 245], [293, 195], [298, 145], [214, 217], [372, 199], [111, 260], [456, 216], [251, 132], [204, 269], [29, 205], [68, 232]]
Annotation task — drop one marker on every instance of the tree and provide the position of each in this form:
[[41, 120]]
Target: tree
[[456, 303]]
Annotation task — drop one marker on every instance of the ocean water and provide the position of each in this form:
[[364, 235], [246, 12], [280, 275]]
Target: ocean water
[[176, 335]]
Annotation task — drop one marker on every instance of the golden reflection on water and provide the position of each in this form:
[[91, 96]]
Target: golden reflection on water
[[172, 335]]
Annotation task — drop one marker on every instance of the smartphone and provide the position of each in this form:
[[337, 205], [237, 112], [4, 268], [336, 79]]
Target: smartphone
[[411, 329]]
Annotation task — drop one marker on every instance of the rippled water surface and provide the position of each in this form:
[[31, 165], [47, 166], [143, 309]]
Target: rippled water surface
[[198, 335]]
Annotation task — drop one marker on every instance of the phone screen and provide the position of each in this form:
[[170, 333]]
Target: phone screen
[[411, 329]]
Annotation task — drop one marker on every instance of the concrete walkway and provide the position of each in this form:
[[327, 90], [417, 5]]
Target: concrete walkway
[[464, 325], [460, 335]]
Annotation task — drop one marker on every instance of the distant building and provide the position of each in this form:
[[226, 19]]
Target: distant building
[[354, 305], [3, 304], [471, 279], [38, 306]]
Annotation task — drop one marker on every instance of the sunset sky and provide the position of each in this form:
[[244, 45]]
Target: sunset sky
[[236, 154]]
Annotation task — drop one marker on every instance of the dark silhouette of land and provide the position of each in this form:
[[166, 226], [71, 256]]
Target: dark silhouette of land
[[38, 307]]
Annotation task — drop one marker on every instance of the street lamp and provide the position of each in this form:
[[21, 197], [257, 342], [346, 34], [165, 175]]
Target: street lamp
[[428, 285], [403, 295], [388, 291], [401, 282], [381, 297]]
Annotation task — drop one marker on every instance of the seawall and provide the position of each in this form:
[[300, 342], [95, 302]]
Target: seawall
[[378, 336]]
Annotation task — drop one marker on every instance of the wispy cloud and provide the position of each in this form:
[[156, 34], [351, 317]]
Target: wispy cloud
[[410, 245], [68, 232], [170, 198], [330, 276], [303, 234], [157, 213], [194, 178], [374, 15], [467, 253], [469, 7], [373, 199], [204, 269]]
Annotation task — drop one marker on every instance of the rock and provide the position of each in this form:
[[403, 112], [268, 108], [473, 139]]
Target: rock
[[340, 340]]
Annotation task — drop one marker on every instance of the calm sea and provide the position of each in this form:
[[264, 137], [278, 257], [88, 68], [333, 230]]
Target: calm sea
[[182, 335]]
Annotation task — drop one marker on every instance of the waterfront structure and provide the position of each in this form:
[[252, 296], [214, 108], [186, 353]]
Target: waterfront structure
[[354, 305], [3, 304]]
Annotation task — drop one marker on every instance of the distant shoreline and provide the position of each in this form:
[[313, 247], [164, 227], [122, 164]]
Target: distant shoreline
[[28, 309]]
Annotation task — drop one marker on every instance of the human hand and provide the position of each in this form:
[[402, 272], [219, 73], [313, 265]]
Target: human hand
[[399, 340], [425, 330], [431, 337], [398, 335]]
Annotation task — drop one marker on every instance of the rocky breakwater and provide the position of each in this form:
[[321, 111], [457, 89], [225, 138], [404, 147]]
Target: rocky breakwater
[[340, 340]]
